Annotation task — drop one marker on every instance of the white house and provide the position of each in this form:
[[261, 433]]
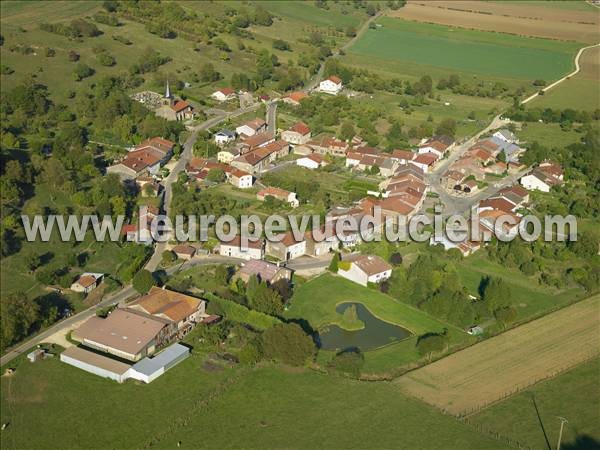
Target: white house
[[248, 251], [252, 127], [287, 248], [240, 179], [543, 177], [506, 136], [332, 85], [364, 269], [298, 134], [224, 136], [223, 95], [87, 282], [312, 161], [424, 161]]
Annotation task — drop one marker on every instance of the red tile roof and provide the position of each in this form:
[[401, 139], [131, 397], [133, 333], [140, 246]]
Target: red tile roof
[[426, 158], [300, 128], [335, 79]]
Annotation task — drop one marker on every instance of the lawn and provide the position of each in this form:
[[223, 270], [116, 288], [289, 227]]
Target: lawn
[[471, 51], [316, 300], [530, 417]]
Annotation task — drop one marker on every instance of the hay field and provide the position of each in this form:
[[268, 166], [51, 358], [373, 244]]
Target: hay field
[[494, 369], [569, 21], [460, 50]]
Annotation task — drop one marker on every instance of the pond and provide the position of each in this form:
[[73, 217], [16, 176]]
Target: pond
[[376, 332]]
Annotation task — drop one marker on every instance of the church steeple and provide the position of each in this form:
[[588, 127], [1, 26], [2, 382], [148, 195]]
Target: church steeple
[[168, 91]]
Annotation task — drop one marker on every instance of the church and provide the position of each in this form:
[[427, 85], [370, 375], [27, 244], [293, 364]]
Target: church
[[172, 109]]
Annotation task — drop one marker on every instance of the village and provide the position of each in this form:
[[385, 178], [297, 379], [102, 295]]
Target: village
[[138, 339]]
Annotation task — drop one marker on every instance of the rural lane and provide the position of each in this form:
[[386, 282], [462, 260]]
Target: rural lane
[[566, 77]]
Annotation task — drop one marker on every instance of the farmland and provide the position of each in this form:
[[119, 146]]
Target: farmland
[[489, 371], [577, 91], [476, 52], [567, 20], [530, 417]]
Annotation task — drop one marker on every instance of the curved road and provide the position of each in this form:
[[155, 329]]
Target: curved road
[[566, 77]]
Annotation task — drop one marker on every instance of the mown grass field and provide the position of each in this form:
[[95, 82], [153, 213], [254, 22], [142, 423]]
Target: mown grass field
[[471, 51], [471, 379], [316, 300], [573, 395], [260, 408]]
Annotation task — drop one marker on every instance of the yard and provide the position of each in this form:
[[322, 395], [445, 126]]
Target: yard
[[316, 300]]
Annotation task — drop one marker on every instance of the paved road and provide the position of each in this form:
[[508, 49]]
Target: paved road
[[272, 117], [566, 77], [454, 204], [184, 158]]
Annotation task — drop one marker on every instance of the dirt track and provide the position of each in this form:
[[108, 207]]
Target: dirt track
[[493, 369], [514, 18]]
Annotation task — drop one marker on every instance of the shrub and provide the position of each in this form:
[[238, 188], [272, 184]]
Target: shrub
[[288, 343], [143, 281], [349, 361]]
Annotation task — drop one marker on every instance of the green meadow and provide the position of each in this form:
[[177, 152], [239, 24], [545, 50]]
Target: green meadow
[[266, 407], [495, 55], [531, 416]]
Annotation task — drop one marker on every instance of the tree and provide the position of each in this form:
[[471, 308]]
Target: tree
[[505, 315], [350, 31], [349, 361], [396, 258], [83, 71], [143, 281], [216, 176], [288, 343], [17, 316], [267, 301], [280, 44], [33, 260], [430, 343], [168, 257], [446, 127], [496, 293], [347, 131], [333, 265]]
